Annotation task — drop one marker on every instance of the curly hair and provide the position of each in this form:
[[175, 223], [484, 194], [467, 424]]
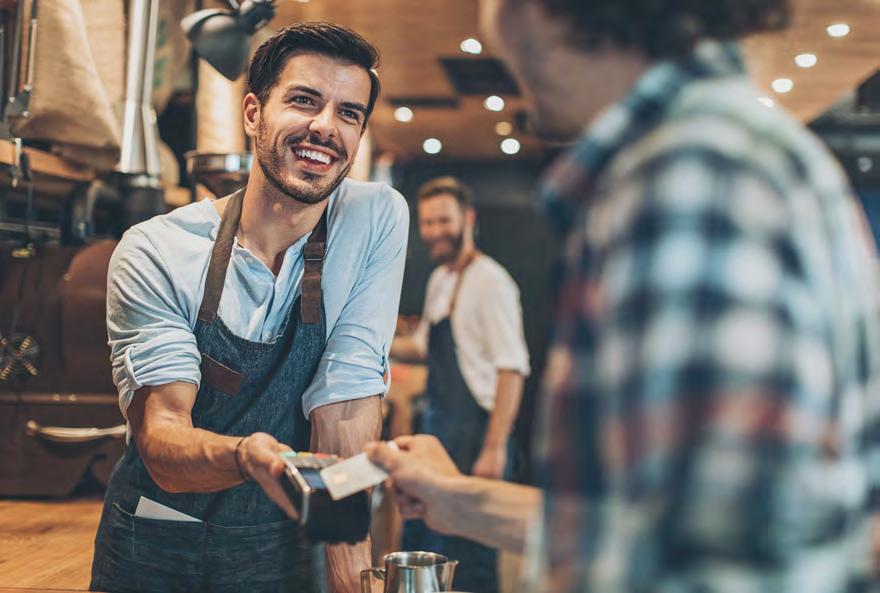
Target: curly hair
[[666, 28]]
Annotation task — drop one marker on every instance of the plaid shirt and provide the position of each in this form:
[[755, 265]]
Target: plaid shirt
[[706, 420]]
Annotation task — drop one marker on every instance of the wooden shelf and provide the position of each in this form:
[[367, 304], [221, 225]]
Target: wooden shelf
[[47, 164]]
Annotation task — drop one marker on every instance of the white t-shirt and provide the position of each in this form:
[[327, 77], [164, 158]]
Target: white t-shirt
[[486, 324]]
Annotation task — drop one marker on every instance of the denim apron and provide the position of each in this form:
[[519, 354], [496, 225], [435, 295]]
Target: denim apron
[[459, 422], [244, 541]]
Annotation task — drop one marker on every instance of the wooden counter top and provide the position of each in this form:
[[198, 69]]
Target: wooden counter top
[[47, 546], [15, 590]]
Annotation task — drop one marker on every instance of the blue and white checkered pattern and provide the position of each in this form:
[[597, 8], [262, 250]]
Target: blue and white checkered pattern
[[713, 384]]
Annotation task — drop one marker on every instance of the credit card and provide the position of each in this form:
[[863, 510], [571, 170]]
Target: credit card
[[352, 475]]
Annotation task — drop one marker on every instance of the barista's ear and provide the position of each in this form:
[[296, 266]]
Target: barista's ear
[[251, 108]]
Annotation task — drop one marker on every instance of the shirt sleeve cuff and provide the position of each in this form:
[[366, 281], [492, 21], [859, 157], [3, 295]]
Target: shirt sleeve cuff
[[337, 381], [154, 370], [513, 363], [127, 384]]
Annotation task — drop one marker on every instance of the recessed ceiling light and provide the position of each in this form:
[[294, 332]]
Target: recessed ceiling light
[[494, 103], [838, 30], [504, 128], [510, 146], [432, 146], [767, 102], [782, 85], [806, 60], [471, 46], [403, 114]]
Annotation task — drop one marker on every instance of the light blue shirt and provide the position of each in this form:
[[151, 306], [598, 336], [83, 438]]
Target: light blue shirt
[[157, 276]]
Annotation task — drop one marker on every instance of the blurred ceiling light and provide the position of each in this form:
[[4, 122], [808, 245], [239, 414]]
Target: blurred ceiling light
[[806, 60], [494, 103], [504, 128], [471, 46], [782, 85], [510, 146], [403, 114], [838, 30], [767, 102], [432, 146]]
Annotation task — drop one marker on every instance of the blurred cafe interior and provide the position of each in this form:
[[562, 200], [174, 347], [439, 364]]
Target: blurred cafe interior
[[112, 112]]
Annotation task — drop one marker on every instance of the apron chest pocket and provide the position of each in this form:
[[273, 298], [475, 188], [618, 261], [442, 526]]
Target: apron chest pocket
[[219, 376]]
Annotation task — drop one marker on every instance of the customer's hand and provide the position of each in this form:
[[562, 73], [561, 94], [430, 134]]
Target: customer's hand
[[422, 477], [259, 460]]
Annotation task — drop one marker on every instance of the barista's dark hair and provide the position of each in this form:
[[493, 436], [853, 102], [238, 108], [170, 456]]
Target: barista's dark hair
[[665, 28], [447, 186], [334, 41]]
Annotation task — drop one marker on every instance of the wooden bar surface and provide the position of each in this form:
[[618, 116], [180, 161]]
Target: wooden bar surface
[[47, 546]]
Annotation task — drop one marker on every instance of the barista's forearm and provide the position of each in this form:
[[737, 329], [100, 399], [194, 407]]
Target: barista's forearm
[[405, 348], [495, 513], [344, 429], [192, 460], [508, 395], [180, 458]]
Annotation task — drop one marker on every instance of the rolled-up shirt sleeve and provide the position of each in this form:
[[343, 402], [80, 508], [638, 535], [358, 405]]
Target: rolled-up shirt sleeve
[[355, 361], [151, 340]]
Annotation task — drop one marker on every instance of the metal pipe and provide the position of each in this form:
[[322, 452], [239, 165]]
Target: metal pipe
[[139, 146], [32, 50], [15, 72], [4, 66]]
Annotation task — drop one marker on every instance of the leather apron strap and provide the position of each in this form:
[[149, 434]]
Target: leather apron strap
[[458, 281], [313, 253], [220, 258]]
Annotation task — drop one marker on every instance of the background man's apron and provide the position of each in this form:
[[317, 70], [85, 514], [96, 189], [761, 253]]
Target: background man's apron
[[245, 542], [454, 417]]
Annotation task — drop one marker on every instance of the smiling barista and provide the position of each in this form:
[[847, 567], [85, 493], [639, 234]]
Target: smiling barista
[[226, 351]]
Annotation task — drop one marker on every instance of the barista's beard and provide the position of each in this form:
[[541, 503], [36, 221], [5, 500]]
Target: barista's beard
[[272, 164], [457, 245]]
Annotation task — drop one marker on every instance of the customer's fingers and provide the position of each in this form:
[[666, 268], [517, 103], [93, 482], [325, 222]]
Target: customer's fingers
[[385, 456], [405, 442]]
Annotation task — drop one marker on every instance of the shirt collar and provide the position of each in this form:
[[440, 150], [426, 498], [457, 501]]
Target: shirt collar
[[569, 181]]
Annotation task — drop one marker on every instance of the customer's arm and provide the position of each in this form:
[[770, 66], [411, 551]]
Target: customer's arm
[[429, 486]]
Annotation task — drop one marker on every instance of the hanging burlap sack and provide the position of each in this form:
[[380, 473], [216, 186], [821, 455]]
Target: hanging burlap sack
[[80, 67]]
